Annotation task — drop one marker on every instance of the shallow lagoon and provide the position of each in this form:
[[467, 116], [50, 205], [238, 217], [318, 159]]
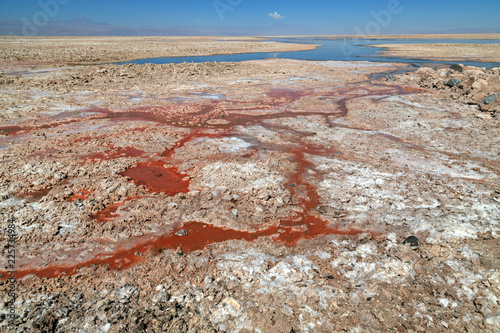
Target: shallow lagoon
[[350, 49]]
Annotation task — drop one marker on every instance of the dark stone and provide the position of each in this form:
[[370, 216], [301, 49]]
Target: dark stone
[[453, 82], [412, 241], [369, 299], [457, 68], [490, 99], [390, 78], [292, 185], [330, 277]]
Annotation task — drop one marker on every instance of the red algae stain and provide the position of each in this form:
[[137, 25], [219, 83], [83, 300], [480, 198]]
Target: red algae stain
[[83, 139], [12, 130], [286, 95], [109, 213], [33, 196], [81, 195], [142, 114], [158, 178], [197, 236], [194, 134], [305, 224], [111, 155], [308, 227]]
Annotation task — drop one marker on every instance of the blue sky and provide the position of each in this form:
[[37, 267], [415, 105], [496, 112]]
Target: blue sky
[[328, 17]]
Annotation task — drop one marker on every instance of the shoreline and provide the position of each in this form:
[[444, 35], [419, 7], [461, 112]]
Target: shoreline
[[442, 52], [42, 51], [485, 36]]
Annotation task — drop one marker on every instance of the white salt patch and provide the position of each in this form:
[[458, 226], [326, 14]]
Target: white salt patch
[[409, 103]]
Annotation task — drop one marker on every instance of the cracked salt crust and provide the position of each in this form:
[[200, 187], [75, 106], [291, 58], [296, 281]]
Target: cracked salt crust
[[358, 188], [240, 177], [231, 145], [366, 263]]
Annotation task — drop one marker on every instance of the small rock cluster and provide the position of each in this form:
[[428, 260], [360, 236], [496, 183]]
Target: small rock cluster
[[467, 84]]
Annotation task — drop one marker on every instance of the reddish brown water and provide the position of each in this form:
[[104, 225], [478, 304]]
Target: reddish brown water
[[158, 178], [198, 236], [289, 230], [191, 136]]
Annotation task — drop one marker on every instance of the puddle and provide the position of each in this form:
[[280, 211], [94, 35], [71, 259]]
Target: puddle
[[157, 178]]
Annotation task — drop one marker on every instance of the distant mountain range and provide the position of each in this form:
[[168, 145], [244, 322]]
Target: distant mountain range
[[82, 26]]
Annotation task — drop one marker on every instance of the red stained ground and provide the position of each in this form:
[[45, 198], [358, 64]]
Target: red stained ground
[[305, 224], [12, 130], [33, 196], [82, 195], [109, 213], [198, 236], [114, 154], [158, 178]]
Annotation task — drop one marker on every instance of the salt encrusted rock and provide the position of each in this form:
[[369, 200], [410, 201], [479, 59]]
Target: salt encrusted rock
[[453, 82], [490, 99]]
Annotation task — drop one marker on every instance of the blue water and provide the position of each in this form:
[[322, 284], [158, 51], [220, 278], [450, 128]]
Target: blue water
[[331, 49]]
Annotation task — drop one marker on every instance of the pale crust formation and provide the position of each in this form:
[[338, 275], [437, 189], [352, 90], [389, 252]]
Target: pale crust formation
[[86, 50], [270, 196], [444, 52]]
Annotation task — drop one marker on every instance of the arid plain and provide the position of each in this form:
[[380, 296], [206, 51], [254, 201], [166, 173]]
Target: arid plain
[[261, 196]]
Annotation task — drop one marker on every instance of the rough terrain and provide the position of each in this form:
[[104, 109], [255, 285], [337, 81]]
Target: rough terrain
[[90, 50], [263, 196]]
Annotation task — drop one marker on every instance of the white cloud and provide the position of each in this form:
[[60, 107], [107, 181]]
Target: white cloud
[[276, 16]]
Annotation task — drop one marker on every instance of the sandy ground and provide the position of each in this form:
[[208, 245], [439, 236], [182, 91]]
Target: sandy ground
[[263, 196], [82, 50], [444, 52]]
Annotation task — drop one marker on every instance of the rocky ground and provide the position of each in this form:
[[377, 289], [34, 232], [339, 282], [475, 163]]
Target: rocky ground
[[264, 196], [469, 85], [91, 50]]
